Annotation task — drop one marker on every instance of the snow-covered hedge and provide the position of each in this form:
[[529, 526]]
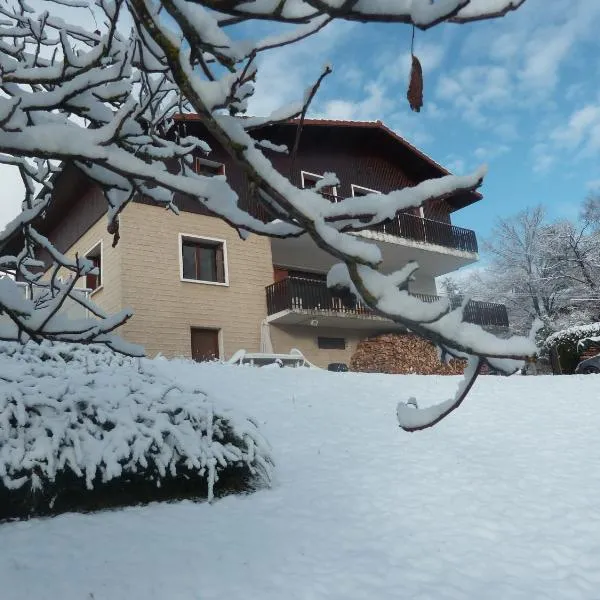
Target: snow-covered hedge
[[83, 428], [571, 336], [569, 343]]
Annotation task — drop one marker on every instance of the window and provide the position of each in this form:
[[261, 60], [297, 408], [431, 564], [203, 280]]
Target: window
[[359, 190], [209, 168], [94, 281], [331, 343], [310, 180], [203, 259]]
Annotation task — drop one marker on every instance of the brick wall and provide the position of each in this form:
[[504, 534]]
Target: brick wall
[[166, 308], [305, 339], [110, 295]]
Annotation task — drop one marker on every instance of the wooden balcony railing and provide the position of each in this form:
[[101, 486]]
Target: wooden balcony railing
[[404, 225], [295, 293]]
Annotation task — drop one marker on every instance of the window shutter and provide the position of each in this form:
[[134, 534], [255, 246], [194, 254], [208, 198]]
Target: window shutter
[[220, 263]]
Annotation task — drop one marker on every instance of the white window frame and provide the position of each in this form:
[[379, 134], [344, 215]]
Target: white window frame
[[203, 238], [100, 243], [209, 163], [354, 187], [317, 176]]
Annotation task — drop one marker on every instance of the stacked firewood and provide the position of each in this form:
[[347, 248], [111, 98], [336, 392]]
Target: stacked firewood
[[401, 354]]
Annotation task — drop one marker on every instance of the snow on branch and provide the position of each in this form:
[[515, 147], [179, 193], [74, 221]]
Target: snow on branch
[[412, 418], [113, 102], [422, 13]]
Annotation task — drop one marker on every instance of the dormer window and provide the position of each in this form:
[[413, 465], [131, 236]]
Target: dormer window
[[209, 168], [310, 180], [359, 190]]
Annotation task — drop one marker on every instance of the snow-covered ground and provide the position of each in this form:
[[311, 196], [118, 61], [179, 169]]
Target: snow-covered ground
[[500, 501]]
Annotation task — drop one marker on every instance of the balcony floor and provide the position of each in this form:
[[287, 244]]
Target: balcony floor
[[303, 253], [334, 319]]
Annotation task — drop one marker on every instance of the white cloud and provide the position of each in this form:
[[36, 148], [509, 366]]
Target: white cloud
[[592, 185], [544, 55], [432, 109], [474, 90], [285, 73], [381, 99], [455, 165], [340, 109], [489, 153], [393, 68], [543, 158], [520, 62], [353, 76], [370, 108], [582, 130], [506, 130]]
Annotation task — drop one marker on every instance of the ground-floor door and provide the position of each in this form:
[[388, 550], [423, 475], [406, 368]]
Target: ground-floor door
[[205, 344]]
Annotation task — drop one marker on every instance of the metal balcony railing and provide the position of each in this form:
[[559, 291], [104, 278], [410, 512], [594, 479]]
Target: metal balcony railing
[[404, 225], [295, 293]]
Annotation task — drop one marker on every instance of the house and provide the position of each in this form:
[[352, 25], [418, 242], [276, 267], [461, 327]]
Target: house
[[200, 291]]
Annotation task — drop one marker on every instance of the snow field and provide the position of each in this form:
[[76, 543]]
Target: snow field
[[500, 501]]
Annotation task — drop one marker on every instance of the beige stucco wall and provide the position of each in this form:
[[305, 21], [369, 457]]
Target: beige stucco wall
[[143, 273], [304, 339], [166, 308]]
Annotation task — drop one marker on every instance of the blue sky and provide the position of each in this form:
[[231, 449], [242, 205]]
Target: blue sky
[[519, 93]]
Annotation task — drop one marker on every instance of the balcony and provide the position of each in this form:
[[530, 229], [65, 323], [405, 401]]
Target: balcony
[[296, 295], [426, 231], [70, 308], [407, 226]]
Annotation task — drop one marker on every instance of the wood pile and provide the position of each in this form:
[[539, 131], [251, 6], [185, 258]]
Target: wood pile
[[401, 354], [593, 350]]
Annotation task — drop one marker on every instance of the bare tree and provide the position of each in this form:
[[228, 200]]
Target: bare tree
[[523, 266], [590, 211], [574, 257], [541, 270], [105, 100]]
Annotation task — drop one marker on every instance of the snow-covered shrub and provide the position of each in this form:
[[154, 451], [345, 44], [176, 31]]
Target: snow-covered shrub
[[84, 428], [569, 343]]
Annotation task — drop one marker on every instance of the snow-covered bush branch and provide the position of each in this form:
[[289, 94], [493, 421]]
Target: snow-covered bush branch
[[106, 101], [82, 427]]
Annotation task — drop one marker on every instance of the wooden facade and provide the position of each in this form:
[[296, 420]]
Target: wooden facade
[[361, 154]]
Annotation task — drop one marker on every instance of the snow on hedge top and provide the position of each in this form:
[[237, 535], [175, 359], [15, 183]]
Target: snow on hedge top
[[100, 414], [572, 335]]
